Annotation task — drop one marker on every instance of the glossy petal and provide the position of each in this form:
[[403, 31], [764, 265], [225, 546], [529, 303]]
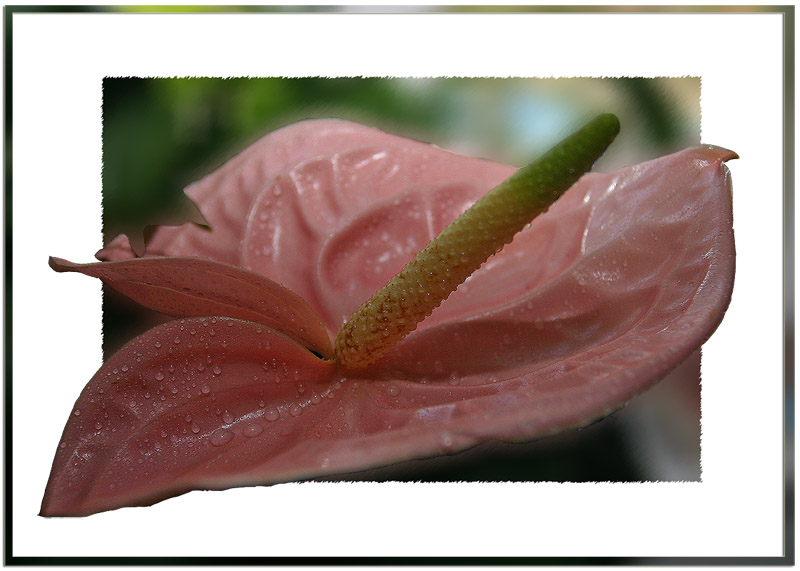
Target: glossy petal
[[193, 287], [603, 295], [646, 254], [193, 403]]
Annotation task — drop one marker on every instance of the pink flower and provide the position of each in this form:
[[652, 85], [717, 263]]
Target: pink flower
[[618, 283]]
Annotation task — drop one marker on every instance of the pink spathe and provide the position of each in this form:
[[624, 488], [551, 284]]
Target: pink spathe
[[616, 285]]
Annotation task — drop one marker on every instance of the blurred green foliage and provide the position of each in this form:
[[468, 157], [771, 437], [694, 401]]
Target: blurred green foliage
[[161, 134]]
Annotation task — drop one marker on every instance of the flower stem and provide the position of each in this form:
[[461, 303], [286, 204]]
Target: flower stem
[[462, 247]]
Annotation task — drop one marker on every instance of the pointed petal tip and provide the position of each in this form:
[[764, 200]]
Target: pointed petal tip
[[721, 153], [60, 264], [110, 477], [49, 511]]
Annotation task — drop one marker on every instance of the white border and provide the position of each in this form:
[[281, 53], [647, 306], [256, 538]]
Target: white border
[[59, 61]]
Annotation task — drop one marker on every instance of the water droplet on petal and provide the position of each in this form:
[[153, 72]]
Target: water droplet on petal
[[296, 410], [221, 437], [227, 418], [446, 440], [253, 429], [272, 414], [77, 412]]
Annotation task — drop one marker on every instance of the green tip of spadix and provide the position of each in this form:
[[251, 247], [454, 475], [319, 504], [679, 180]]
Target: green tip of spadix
[[462, 247]]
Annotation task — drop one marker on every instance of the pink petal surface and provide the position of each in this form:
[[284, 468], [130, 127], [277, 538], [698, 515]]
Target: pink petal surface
[[175, 410], [192, 287], [612, 288]]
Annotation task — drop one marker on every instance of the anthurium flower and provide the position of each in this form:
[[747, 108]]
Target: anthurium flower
[[593, 302]]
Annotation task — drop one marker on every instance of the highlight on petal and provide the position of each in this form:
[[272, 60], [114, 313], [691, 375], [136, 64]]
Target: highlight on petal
[[191, 287], [225, 198], [193, 403]]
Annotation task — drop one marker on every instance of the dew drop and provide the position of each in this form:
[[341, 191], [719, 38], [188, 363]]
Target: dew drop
[[217, 370], [159, 376], [221, 437], [296, 410], [227, 418], [272, 414], [446, 441], [77, 412], [253, 429], [177, 340], [195, 428], [205, 389], [393, 390]]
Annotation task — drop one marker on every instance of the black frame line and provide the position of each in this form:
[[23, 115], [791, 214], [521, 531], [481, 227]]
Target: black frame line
[[788, 12]]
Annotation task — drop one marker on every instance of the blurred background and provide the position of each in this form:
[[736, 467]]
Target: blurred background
[[159, 135]]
